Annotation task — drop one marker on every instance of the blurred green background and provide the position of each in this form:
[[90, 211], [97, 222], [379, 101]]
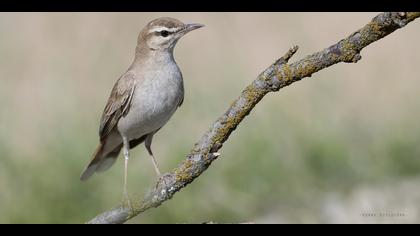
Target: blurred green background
[[328, 149]]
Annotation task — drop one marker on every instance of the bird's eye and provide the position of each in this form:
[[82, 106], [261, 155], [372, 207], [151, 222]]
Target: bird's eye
[[164, 33]]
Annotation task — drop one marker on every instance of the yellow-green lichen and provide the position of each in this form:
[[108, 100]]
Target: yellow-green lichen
[[347, 48], [412, 15], [373, 28], [251, 93], [287, 73], [303, 71], [182, 173]]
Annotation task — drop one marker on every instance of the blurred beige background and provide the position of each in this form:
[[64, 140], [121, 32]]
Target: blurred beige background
[[329, 149]]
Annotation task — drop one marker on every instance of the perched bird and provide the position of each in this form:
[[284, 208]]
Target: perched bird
[[143, 99]]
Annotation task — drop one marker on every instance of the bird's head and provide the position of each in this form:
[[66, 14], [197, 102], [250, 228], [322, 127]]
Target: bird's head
[[163, 33]]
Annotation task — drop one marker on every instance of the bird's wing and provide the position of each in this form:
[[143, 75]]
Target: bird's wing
[[118, 104], [182, 94], [181, 101]]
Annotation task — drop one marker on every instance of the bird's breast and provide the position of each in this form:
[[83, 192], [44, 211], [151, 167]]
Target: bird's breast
[[155, 99]]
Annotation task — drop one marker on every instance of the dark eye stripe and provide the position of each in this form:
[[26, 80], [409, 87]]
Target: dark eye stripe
[[164, 33]]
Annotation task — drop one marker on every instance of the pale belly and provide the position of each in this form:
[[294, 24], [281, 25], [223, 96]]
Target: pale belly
[[154, 102]]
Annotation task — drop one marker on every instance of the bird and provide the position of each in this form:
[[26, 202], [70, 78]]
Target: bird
[[143, 99]]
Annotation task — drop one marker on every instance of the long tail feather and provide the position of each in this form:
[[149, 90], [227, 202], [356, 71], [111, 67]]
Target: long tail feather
[[91, 168]]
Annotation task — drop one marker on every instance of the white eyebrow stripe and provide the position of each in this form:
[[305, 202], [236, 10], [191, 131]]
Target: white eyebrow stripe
[[158, 29]]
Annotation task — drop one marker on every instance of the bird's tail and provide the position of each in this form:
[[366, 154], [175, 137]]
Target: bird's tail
[[100, 161]]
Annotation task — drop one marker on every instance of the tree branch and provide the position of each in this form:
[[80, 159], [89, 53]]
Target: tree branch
[[275, 77]]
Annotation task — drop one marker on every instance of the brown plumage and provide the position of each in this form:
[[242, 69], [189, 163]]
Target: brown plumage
[[117, 106]]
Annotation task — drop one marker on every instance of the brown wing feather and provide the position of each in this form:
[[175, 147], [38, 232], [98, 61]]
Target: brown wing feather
[[181, 101], [182, 96], [118, 104]]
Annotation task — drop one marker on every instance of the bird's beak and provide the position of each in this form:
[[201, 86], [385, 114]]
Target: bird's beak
[[189, 28]]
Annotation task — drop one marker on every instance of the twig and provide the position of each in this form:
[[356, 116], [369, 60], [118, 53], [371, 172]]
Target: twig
[[275, 77]]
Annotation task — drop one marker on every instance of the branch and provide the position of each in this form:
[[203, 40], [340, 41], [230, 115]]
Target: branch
[[278, 75]]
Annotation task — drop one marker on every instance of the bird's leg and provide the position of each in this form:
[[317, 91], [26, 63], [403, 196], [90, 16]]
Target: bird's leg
[[148, 144], [125, 198], [156, 166]]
